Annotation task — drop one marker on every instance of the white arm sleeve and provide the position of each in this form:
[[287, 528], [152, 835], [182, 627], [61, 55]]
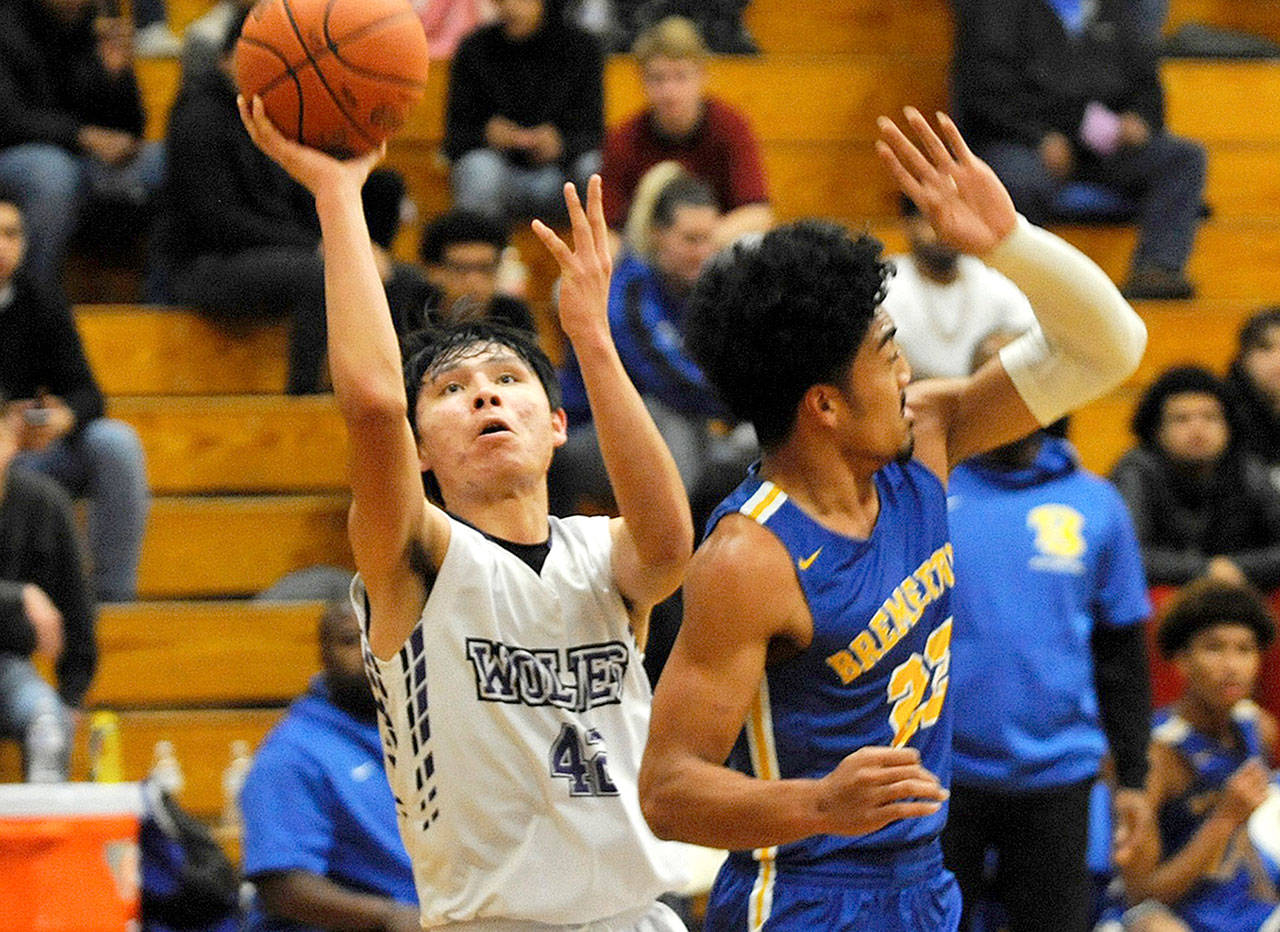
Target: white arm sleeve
[[1088, 340]]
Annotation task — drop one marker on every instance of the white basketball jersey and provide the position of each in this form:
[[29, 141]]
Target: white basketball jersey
[[513, 720]]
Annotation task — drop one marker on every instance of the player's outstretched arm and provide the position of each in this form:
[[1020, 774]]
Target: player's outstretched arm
[[654, 535], [710, 687], [1088, 340], [390, 517]]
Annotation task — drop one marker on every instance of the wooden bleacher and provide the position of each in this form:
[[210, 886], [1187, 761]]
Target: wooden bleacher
[[249, 483]]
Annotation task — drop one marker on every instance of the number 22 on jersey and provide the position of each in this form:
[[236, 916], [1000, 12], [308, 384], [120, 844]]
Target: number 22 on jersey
[[912, 679]]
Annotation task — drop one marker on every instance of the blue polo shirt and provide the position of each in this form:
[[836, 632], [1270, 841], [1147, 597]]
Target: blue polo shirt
[[316, 799], [1042, 555]]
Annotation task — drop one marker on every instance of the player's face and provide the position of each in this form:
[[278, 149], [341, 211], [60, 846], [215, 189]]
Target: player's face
[[1193, 428], [1220, 665], [674, 88], [469, 270], [519, 18], [1262, 364], [487, 428], [13, 243], [682, 249], [879, 426]]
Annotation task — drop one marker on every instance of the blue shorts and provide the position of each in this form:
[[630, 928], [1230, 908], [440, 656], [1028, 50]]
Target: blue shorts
[[905, 891]]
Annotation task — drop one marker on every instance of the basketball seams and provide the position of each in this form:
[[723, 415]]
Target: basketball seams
[[275, 82], [293, 23], [335, 43]]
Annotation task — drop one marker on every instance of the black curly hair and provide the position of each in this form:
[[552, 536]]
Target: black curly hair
[[1179, 380], [426, 350], [777, 314], [1206, 603]]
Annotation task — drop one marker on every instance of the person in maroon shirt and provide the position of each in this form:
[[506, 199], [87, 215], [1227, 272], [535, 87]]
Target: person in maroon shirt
[[682, 123]]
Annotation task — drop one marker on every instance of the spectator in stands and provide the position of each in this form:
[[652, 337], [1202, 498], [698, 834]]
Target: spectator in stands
[[152, 36], [1210, 752], [1253, 385], [682, 122], [525, 113], [64, 434], [1049, 670], [669, 239], [71, 122], [239, 238], [447, 22], [1199, 503], [944, 303], [462, 252], [320, 840], [203, 39], [720, 21], [45, 609], [1058, 91]]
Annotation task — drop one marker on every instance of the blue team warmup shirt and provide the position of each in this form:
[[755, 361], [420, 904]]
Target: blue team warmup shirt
[[317, 800], [1042, 555]]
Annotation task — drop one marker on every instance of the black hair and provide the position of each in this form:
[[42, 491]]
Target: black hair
[[684, 190], [774, 315], [234, 28], [1255, 328], [1179, 380], [9, 195], [1206, 603], [459, 226], [381, 197], [430, 348]]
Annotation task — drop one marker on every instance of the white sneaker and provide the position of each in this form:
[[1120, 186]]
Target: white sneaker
[[156, 41]]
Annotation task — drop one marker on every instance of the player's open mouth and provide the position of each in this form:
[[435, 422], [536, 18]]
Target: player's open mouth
[[494, 427]]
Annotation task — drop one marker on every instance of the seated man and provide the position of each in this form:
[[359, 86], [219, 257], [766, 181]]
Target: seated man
[[462, 252], [1253, 385], [681, 122], [1211, 754], [320, 839], [943, 302], [63, 433], [525, 113], [71, 121], [1199, 504], [45, 610], [1052, 91]]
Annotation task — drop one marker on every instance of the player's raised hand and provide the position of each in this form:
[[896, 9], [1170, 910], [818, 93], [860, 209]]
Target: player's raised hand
[[874, 786], [584, 269], [315, 170], [957, 191]]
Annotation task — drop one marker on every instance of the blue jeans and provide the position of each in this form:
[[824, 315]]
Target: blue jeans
[[104, 463], [54, 186], [486, 182], [23, 696], [1165, 177]]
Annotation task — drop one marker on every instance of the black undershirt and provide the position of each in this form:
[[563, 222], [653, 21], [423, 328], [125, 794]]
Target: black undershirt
[[531, 555]]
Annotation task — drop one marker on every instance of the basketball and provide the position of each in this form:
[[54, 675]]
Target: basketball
[[338, 75]]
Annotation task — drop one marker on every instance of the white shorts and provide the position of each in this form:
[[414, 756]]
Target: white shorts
[[657, 917]]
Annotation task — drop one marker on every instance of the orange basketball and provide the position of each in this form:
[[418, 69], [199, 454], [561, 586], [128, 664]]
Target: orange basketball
[[339, 75]]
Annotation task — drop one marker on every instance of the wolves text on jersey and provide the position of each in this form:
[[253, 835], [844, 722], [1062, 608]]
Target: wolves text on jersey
[[575, 678]]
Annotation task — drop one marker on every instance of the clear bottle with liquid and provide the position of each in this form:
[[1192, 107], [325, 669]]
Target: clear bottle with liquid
[[46, 745], [166, 772], [232, 781]]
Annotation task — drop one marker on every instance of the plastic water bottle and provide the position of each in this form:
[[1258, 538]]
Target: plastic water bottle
[[46, 746], [232, 781], [165, 770]]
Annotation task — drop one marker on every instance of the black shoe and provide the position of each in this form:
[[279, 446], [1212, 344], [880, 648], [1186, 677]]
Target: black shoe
[[1156, 284]]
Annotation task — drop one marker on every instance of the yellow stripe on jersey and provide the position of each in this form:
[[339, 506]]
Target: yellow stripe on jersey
[[761, 903], [764, 763], [764, 502]]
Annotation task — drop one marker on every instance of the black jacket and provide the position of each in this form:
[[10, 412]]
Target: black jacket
[[40, 349], [555, 76], [1018, 75], [222, 194], [52, 83], [1181, 523], [38, 544]]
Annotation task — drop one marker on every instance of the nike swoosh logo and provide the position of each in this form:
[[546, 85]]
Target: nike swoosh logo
[[808, 561]]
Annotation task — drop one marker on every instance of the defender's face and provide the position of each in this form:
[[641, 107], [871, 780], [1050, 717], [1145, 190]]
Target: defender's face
[[486, 424], [674, 88], [880, 423], [13, 242], [1262, 364], [1220, 665], [1193, 428]]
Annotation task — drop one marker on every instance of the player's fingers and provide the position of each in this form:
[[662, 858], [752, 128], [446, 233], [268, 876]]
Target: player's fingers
[[928, 139], [595, 215], [555, 245], [908, 154], [905, 181], [577, 218], [955, 142], [894, 812], [887, 756], [925, 790], [894, 774]]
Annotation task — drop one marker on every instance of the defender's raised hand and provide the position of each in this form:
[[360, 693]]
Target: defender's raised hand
[[314, 170], [584, 269], [957, 191]]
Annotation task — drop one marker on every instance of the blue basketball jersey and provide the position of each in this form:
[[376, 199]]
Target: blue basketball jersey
[[877, 669], [1239, 895]]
